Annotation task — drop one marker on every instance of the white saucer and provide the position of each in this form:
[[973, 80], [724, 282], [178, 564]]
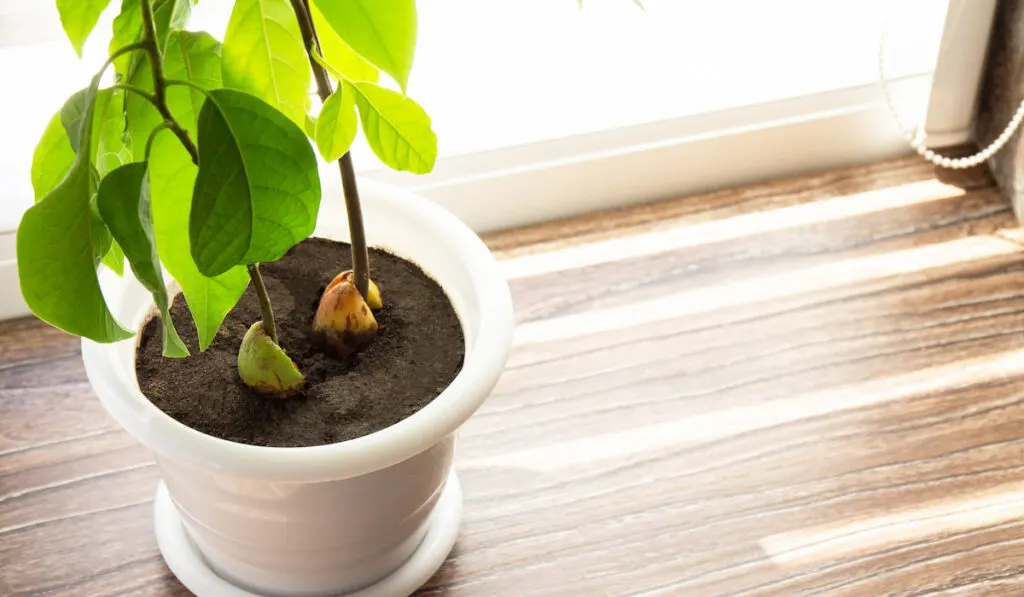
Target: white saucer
[[187, 564]]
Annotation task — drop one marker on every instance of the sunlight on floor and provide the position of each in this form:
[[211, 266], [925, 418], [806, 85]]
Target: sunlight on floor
[[765, 288], [955, 515], [662, 241], [705, 428]]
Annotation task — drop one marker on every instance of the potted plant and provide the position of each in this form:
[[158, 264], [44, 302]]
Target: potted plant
[[301, 406]]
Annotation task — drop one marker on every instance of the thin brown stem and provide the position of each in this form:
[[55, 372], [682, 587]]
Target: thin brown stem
[[159, 84], [360, 253], [269, 326]]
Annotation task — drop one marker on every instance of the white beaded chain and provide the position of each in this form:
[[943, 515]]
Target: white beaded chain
[[916, 139]]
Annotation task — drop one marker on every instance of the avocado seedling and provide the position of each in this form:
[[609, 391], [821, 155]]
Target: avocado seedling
[[199, 161]]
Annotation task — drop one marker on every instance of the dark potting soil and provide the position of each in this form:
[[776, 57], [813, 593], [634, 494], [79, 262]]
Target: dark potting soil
[[418, 351]]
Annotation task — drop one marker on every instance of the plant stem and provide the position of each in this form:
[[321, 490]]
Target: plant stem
[[187, 83], [156, 63], [360, 253], [129, 48], [160, 101], [137, 91], [152, 137], [261, 294]]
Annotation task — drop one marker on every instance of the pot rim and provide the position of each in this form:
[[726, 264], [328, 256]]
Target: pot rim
[[486, 355]]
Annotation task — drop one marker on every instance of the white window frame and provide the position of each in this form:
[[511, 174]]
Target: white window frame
[[547, 180]]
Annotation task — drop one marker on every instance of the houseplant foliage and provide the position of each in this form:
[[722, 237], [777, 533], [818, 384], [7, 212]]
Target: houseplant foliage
[[196, 156]]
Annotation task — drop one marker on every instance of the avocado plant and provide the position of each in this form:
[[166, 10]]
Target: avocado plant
[[197, 159]]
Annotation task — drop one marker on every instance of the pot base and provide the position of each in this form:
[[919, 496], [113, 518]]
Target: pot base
[[187, 564]]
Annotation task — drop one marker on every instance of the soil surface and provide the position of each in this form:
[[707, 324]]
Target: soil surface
[[418, 351]]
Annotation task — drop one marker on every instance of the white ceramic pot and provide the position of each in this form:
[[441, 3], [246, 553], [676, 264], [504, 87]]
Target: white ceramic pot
[[323, 520]]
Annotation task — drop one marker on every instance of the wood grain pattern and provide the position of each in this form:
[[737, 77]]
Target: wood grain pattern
[[811, 387]]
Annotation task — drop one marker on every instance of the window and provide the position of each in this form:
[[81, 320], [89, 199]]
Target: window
[[544, 109]]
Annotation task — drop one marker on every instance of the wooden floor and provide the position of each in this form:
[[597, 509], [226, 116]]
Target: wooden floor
[[812, 387]]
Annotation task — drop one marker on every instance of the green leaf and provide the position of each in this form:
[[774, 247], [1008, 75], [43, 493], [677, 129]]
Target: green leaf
[[172, 176], [78, 109], [127, 31], [107, 148], [114, 259], [102, 242], [107, 151], [79, 17], [72, 113], [194, 57], [397, 129], [337, 124], [168, 15], [71, 116], [338, 53], [52, 158], [258, 188], [189, 56], [111, 147], [125, 206], [381, 31], [264, 56], [141, 117], [55, 247], [309, 127]]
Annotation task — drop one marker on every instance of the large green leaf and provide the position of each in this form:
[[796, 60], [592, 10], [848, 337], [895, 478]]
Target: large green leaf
[[52, 158], [258, 189], [56, 247], [106, 152], [337, 124], [114, 259], [396, 128], [382, 31], [125, 206], [172, 176], [127, 29], [309, 127], [101, 239], [107, 148], [71, 115], [79, 17], [196, 57], [168, 15], [264, 56], [338, 53], [73, 111]]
